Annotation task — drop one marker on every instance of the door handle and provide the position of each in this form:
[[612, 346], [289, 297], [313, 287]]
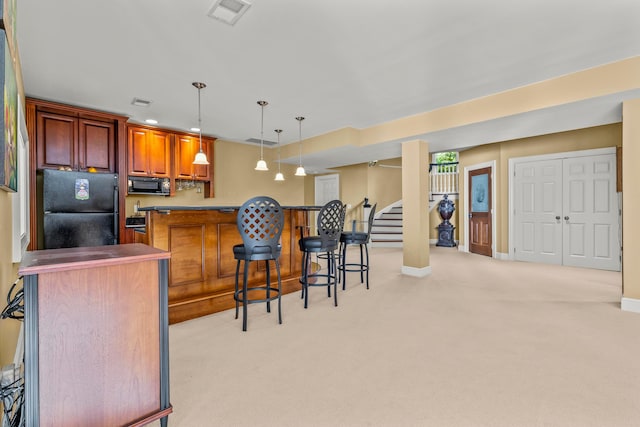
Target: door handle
[[566, 218], [557, 217], [470, 215]]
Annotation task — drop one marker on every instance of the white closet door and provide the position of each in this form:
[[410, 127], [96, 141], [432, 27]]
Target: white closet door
[[538, 210], [590, 212]]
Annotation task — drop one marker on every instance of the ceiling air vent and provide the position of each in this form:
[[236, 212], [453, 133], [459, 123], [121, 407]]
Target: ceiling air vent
[[257, 141], [228, 11], [138, 102]]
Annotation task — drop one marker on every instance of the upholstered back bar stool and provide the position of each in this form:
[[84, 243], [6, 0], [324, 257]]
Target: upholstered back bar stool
[[260, 222], [360, 238], [329, 225]]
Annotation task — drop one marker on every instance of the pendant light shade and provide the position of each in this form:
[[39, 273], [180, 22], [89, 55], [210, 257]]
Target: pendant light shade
[[262, 165], [279, 176], [201, 157], [300, 170]]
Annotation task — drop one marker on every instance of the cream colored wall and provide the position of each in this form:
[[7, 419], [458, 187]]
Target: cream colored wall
[[385, 184], [582, 139], [631, 199], [380, 185], [353, 190], [9, 328]]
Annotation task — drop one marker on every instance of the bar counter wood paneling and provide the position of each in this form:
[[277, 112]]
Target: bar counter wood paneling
[[202, 267], [96, 336]]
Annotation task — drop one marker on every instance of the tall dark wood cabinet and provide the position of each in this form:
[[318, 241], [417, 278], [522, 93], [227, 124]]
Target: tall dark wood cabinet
[[79, 139], [96, 336]]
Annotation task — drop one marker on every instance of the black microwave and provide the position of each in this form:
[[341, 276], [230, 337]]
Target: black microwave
[[148, 185]]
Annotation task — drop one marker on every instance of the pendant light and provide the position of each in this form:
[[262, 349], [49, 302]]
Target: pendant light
[[262, 165], [201, 157], [300, 170], [279, 176]]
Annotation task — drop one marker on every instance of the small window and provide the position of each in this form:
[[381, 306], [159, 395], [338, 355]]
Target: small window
[[442, 159]]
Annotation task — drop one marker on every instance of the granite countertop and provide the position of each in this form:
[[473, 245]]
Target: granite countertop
[[216, 208]]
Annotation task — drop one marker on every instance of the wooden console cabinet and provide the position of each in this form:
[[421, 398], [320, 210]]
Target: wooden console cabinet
[[96, 336]]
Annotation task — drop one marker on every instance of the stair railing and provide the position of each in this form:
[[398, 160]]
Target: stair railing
[[443, 178]]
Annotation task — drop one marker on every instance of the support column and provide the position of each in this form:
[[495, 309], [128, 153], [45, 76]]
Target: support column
[[415, 208], [630, 205]]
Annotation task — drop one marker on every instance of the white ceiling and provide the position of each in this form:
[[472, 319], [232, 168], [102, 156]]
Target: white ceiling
[[349, 63]]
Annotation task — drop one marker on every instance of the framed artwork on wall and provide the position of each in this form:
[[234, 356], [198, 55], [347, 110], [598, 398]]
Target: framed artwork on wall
[[8, 21], [8, 120]]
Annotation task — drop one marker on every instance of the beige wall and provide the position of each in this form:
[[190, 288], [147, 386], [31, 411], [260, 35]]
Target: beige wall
[[380, 185], [582, 139], [9, 328], [631, 199]]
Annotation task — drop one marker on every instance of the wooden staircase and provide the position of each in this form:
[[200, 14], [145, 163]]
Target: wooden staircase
[[387, 229]]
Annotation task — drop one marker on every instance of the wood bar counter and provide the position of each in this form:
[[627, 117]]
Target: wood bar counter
[[96, 336], [202, 268]]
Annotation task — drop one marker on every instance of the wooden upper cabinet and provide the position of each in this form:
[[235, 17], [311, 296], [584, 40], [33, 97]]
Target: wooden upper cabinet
[[149, 152], [186, 148], [96, 147], [74, 142], [56, 137]]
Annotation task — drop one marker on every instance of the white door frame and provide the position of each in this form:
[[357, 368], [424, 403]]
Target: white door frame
[[512, 167], [494, 196]]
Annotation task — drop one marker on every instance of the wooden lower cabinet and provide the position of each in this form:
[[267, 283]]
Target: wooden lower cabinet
[[202, 267], [96, 336]]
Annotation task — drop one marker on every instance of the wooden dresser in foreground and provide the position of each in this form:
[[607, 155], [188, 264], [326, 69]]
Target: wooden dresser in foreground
[[202, 268], [96, 336]]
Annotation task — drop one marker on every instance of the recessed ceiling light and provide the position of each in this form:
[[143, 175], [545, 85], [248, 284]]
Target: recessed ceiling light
[[195, 129], [151, 121], [228, 11]]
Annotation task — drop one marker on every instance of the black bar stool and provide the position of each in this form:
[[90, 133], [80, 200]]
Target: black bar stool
[[329, 224], [260, 221], [360, 238]]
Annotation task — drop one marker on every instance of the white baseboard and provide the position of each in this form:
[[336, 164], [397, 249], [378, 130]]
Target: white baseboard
[[502, 256], [433, 241], [416, 272], [630, 304], [462, 248]]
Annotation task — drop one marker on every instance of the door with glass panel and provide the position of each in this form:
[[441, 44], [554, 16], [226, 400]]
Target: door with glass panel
[[480, 211]]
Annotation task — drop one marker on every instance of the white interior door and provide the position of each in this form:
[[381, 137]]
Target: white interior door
[[590, 212], [566, 212], [538, 201], [327, 188]]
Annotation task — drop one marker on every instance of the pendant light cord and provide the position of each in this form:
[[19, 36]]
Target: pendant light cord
[[300, 119], [199, 120]]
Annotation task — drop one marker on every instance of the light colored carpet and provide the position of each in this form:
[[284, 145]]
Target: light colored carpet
[[479, 342]]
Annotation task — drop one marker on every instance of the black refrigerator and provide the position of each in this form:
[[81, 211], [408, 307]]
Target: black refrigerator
[[79, 209]]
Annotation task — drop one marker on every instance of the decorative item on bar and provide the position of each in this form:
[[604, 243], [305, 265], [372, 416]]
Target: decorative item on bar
[[279, 176], [300, 170], [262, 165], [201, 157]]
